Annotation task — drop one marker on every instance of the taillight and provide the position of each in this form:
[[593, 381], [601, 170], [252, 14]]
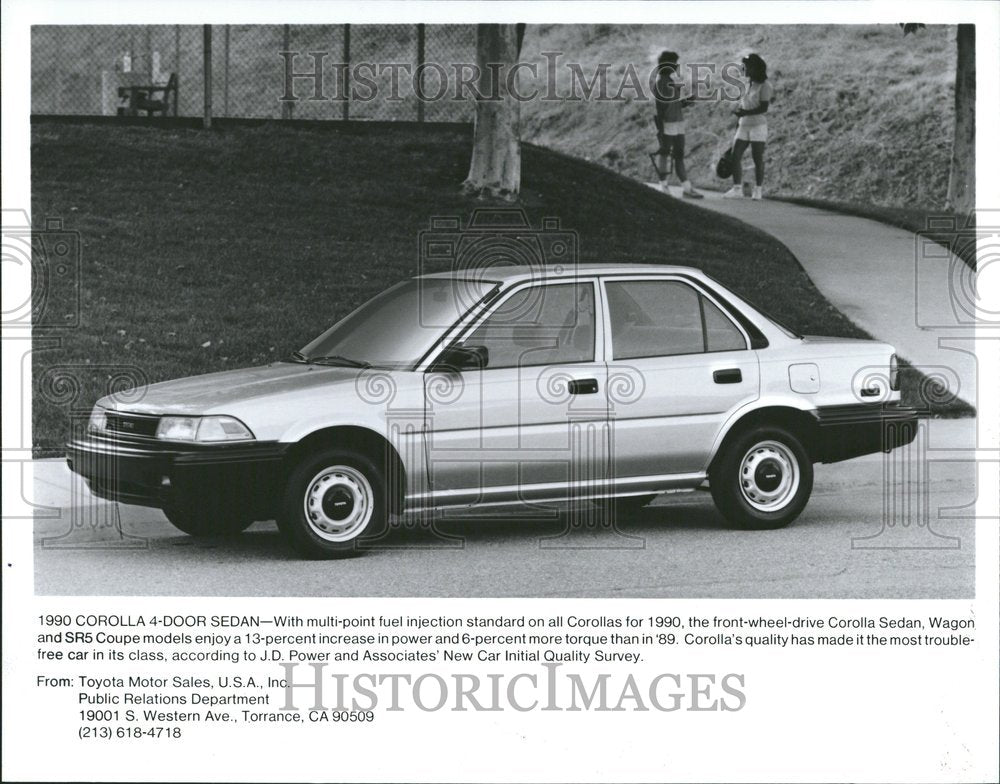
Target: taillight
[[893, 373]]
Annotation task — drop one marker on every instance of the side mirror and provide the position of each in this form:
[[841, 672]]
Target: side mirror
[[458, 358]]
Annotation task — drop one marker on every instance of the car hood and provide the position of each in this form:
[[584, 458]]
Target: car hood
[[213, 392]]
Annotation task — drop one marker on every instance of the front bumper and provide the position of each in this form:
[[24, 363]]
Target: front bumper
[[843, 432], [152, 473]]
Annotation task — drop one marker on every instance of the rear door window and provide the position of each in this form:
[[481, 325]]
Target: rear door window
[[656, 318]]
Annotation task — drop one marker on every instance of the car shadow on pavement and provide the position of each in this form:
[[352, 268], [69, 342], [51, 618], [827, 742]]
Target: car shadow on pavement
[[513, 527], [458, 530]]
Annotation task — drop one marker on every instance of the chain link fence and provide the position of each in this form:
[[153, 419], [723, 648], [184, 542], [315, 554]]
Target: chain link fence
[[366, 72]]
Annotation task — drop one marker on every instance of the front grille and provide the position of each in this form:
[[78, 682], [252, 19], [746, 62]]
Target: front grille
[[139, 425]]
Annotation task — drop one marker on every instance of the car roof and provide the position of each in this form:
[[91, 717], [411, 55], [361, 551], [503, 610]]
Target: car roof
[[518, 273]]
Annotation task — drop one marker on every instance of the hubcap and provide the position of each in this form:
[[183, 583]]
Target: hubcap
[[769, 476], [338, 503]]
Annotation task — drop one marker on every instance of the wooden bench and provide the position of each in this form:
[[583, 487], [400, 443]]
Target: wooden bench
[[150, 98]]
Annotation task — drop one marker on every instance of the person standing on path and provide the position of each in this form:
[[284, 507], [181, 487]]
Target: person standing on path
[[752, 129], [670, 103]]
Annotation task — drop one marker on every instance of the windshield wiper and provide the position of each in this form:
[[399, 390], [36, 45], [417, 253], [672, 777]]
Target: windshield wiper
[[337, 359], [330, 359]]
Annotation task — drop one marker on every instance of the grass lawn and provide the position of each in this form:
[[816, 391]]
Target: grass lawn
[[204, 251]]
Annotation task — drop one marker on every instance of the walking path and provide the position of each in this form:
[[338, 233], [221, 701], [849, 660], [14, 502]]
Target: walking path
[[890, 282]]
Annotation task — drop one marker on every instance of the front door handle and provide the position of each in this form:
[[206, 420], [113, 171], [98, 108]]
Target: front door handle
[[583, 386], [728, 376]]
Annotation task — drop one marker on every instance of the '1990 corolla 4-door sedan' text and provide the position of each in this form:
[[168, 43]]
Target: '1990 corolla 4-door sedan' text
[[538, 385]]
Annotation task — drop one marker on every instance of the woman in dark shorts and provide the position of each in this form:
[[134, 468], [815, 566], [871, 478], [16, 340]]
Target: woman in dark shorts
[[670, 102]]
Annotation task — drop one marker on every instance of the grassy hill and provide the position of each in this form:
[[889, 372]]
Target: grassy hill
[[207, 251], [860, 113], [204, 251]]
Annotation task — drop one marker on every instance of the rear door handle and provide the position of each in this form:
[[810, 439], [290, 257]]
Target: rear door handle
[[728, 376], [583, 386]]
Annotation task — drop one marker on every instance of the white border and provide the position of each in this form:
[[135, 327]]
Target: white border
[[816, 716]]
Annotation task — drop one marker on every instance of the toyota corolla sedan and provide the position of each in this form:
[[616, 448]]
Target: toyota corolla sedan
[[513, 386]]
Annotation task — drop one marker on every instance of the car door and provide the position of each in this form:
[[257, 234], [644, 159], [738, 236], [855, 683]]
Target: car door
[[677, 364], [533, 420]]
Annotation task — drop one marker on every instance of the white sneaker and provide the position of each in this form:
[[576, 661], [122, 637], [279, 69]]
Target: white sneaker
[[664, 188], [758, 193], [689, 192], [736, 192]]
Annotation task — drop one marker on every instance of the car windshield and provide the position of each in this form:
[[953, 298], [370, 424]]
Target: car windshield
[[396, 328]]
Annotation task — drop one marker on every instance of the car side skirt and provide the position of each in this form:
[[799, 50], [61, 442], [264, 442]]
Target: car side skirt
[[553, 492]]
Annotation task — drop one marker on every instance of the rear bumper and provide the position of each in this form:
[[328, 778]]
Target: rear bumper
[[148, 473], [843, 432]]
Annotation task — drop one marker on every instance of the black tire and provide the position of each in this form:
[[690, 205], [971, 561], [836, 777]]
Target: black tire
[[350, 510], [206, 520], [762, 479]]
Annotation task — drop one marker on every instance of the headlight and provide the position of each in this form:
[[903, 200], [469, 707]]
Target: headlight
[[202, 429], [98, 421], [893, 373], [223, 428], [178, 429]]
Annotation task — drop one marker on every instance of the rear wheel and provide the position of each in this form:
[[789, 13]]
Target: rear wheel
[[763, 479], [333, 499]]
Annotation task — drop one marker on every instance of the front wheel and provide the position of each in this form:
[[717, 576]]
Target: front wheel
[[332, 500], [763, 479]]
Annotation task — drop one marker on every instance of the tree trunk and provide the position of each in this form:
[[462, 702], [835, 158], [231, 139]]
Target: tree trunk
[[495, 170], [962, 177]]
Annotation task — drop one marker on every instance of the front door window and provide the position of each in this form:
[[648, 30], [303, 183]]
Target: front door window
[[540, 325]]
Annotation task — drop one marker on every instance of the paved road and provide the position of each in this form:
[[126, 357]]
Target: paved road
[[901, 288], [678, 547]]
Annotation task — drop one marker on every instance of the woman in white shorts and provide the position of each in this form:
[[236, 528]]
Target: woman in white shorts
[[752, 129]]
